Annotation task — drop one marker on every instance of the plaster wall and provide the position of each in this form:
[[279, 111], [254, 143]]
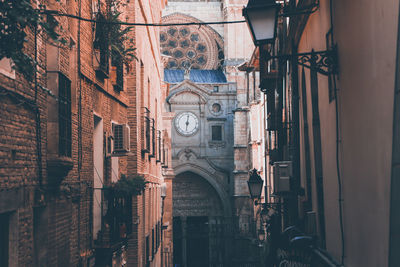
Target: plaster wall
[[243, 46], [366, 38]]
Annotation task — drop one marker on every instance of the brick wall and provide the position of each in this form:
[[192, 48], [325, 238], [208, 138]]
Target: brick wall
[[144, 86], [67, 208]]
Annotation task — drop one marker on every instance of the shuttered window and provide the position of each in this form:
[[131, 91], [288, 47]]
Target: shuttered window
[[64, 115]]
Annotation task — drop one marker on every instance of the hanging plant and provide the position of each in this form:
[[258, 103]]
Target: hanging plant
[[15, 17], [129, 185], [110, 33]]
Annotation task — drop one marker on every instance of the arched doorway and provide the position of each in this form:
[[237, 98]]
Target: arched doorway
[[199, 224]]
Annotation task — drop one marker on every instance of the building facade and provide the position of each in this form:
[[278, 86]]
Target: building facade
[[150, 142], [88, 123], [337, 124], [356, 130], [216, 133]]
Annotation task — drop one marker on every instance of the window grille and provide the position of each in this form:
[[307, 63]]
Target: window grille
[[64, 115], [158, 146], [147, 129], [121, 137], [117, 73], [118, 137], [153, 139]]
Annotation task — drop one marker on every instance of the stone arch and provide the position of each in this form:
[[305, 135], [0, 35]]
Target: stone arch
[[221, 192], [188, 87]]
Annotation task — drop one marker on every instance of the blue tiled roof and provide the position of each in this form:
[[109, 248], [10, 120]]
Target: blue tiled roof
[[173, 76], [196, 76]]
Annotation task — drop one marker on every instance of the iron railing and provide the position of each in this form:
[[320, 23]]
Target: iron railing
[[116, 218]]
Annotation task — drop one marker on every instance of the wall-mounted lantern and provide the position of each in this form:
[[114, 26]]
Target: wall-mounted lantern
[[255, 184], [261, 17]]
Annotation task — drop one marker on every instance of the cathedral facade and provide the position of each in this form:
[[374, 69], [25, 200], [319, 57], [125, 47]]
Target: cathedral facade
[[208, 97]]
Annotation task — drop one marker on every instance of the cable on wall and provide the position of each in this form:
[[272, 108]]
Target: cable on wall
[[339, 179]]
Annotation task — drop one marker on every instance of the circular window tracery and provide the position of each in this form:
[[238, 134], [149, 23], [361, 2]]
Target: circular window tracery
[[191, 54], [178, 54], [190, 46], [184, 44], [172, 43], [184, 31], [172, 31]]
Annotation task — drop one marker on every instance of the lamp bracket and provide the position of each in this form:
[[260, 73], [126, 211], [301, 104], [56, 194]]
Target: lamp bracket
[[288, 11], [324, 62]]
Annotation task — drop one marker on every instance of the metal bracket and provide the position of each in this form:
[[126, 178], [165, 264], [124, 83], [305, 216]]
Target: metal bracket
[[324, 62], [289, 11]]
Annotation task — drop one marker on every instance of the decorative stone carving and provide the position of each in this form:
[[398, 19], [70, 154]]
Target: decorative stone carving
[[191, 46]]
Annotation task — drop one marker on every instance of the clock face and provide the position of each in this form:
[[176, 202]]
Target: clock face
[[186, 123]]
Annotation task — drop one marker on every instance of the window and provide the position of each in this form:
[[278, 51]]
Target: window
[[121, 137], [153, 139], [216, 108], [64, 115], [4, 239], [118, 136], [148, 251], [159, 146], [216, 88], [216, 133], [117, 73], [146, 129], [101, 54], [165, 157], [163, 153], [153, 245]]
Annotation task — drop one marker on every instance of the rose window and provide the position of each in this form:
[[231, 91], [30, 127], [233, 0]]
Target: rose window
[[190, 46]]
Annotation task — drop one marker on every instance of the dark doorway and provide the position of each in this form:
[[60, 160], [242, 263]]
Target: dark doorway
[[197, 241], [191, 241], [4, 238]]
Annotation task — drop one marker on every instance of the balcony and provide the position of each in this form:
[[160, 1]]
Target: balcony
[[116, 220]]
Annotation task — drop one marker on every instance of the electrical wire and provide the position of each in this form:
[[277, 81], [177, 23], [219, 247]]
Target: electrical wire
[[59, 14], [339, 179]]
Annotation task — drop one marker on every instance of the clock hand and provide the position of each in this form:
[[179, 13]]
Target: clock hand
[[187, 122]]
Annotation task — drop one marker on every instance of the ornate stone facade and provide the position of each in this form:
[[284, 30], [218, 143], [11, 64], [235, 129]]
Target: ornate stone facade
[[191, 46], [211, 165]]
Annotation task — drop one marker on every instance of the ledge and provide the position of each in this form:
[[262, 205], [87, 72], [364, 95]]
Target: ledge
[[217, 144], [58, 168], [216, 119]]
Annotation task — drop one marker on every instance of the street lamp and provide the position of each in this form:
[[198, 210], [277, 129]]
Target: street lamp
[[261, 17], [255, 184]]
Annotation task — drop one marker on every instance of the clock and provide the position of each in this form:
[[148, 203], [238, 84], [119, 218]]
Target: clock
[[186, 123]]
